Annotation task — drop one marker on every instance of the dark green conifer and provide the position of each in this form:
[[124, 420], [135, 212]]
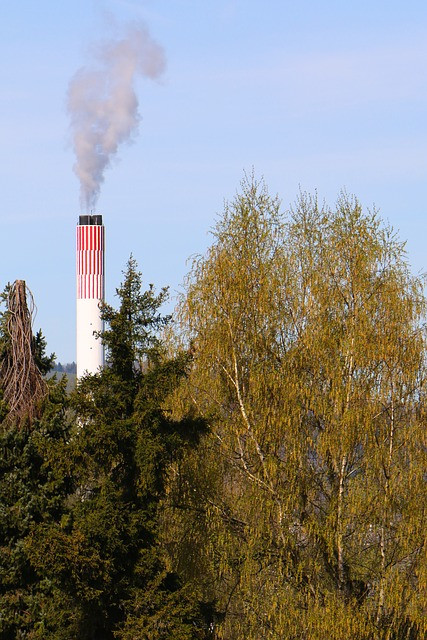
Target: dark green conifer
[[105, 555], [34, 482]]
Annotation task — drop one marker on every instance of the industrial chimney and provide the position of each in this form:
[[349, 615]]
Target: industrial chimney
[[90, 292]]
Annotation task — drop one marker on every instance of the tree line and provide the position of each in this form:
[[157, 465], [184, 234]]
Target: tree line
[[252, 467], [69, 367]]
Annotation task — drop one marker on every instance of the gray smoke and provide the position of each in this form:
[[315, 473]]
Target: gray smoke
[[103, 105]]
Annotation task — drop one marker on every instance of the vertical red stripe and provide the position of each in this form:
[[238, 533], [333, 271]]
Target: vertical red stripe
[[90, 261]]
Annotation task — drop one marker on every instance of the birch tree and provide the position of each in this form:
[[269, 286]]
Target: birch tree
[[309, 362]]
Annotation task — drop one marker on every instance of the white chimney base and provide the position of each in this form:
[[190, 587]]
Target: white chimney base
[[90, 351]]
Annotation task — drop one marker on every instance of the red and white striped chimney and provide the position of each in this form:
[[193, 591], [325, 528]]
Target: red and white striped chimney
[[90, 292]]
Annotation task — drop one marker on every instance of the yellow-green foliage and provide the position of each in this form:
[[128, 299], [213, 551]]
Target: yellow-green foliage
[[305, 510]]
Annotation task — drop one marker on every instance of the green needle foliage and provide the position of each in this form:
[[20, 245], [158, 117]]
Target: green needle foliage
[[309, 363], [104, 555], [35, 481], [81, 493]]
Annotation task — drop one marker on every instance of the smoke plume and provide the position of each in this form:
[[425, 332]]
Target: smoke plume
[[103, 105]]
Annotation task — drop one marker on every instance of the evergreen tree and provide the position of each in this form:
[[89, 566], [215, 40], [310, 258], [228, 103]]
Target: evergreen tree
[[34, 483], [44, 362], [105, 555]]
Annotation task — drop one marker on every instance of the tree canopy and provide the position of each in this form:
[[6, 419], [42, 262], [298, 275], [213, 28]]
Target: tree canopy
[[80, 490], [254, 470], [309, 363]]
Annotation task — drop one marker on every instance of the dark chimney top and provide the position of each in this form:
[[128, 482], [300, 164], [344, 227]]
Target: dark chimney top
[[95, 219]]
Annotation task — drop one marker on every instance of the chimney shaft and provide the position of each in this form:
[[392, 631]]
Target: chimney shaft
[[90, 292]]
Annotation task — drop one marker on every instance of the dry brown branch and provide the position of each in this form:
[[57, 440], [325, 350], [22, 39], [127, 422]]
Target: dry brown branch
[[23, 385]]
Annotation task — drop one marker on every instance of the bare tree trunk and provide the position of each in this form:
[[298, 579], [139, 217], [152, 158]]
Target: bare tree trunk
[[340, 551], [387, 472], [341, 482]]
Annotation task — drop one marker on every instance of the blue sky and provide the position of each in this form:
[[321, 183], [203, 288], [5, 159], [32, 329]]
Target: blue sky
[[323, 95]]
